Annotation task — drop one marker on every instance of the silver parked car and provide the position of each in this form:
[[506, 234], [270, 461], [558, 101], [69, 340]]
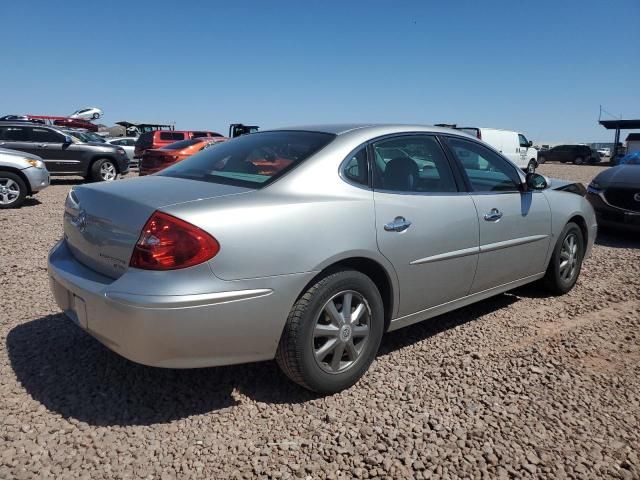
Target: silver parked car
[[307, 244], [128, 145], [21, 175]]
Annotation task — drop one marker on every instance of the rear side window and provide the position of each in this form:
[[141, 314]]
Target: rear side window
[[251, 160], [355, 169], [174, 136], [15, 134], [413, 163]]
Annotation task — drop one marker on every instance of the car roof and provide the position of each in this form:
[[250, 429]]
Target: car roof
[[372, 128]]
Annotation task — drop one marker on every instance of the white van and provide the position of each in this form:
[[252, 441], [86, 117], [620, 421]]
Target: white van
[[513, 145]]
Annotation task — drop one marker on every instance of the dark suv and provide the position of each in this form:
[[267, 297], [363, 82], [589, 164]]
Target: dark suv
[[63, 154], [577, 154]]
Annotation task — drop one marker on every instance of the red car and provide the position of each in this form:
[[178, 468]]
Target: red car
[[67, 122], [154, 160], [162, 138]]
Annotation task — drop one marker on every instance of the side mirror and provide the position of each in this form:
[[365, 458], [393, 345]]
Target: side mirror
[[68, 139], [530, 143], [535, 181]]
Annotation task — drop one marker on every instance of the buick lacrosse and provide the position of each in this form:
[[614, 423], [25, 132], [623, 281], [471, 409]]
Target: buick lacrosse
[[307, 244]]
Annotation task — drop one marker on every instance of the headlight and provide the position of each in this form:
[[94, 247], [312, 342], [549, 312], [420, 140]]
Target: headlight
[[34, 163]]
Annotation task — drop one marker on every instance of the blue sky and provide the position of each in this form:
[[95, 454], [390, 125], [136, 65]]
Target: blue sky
[[541, 67]]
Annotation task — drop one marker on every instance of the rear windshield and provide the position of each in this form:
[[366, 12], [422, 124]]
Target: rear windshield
[[181, 144], [251, 160]]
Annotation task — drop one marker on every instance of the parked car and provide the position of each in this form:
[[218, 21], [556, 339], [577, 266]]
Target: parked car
[[210, 262], [63, 154], [154, 160], [160, 138], [577, 154], [128, 145], [615, 195], [92, 113], [604, 152], [21, 175], [513, 145]]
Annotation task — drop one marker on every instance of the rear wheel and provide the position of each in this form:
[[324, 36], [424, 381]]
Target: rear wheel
[[541, 160], [12, 190], [566, 261], [95, 116], [578, 161], [103, 170], [333, 332]]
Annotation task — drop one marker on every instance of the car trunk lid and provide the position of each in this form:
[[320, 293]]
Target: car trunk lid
[[102, 222]]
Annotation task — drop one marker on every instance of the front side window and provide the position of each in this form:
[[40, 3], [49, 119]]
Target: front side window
[[355, 169], [251, 160], [413, 163], [45, 135], [486, 170], [523, 141]]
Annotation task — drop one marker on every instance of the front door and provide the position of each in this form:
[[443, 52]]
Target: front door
[[425, 225], [515, 225], [523, 149]]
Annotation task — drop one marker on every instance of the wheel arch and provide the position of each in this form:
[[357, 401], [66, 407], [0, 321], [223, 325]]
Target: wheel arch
[[381, 275], [18, 172], [582, 223], [95, 158]]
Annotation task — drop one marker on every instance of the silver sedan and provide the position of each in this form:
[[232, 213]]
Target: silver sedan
[[307, 244]]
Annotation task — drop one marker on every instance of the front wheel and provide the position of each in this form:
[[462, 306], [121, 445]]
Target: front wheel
[[578, 161], [12, 190], [333, 332], [104, 170], [566, 261]]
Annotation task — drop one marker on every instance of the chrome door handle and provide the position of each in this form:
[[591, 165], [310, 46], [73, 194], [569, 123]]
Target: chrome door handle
[[399, 224], [493, 216], [43, 145]]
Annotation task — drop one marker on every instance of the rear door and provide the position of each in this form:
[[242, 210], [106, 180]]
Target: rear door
[[425, 226], [515, 226], [17, 138]]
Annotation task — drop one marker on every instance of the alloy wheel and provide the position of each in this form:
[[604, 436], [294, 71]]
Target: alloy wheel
[[9, 191], [108, 171], [569, 257], [341, 331]]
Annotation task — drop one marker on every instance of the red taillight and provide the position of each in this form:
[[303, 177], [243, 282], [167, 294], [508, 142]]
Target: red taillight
[[168, 243]]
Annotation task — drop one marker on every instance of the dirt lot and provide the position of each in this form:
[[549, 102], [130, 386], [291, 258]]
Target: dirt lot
[[519, 385]]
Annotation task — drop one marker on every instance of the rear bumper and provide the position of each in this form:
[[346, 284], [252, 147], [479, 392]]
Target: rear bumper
[[610, 216], [38, 178], [239, 322]]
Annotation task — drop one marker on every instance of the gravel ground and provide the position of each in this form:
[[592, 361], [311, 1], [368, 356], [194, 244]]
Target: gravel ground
[[516, 386]]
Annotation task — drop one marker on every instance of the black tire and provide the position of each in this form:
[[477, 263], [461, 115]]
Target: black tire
[[578, 161], [96, 170], [531, 167], [295, 354], [554, 280], [541, 159], [95, 116], [10, 184]]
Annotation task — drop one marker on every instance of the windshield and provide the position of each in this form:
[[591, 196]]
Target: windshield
[[181, 144], [251, 160]]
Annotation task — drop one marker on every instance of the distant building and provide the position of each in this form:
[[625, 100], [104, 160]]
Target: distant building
[[633, 142]]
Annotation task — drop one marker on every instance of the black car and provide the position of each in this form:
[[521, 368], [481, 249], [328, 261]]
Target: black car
[[577, 154], [615, 196], [63, 154]]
